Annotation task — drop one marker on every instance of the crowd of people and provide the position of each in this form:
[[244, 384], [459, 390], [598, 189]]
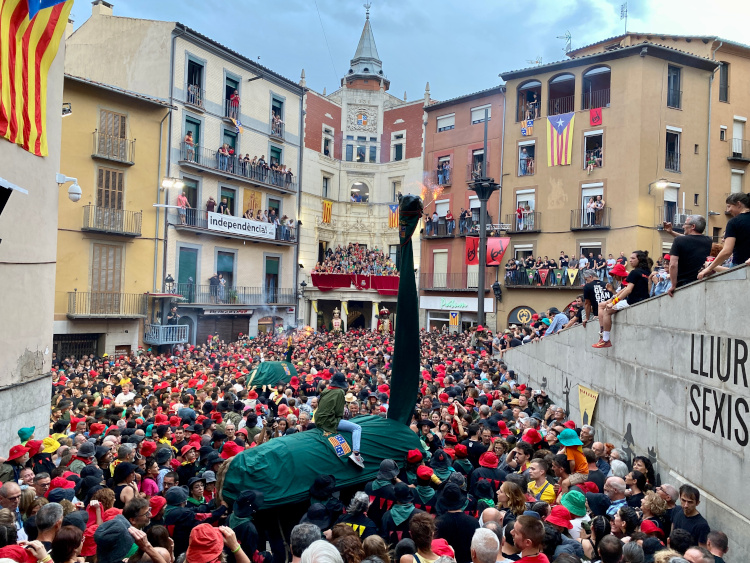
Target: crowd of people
[[133, 463], [518, 270], [355, 259]]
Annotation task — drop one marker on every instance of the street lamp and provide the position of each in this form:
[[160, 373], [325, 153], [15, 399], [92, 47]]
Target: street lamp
[[167, 183], [169, 284], [659, 184]]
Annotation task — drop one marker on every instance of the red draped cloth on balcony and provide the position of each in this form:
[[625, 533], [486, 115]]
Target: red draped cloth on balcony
[[385, 285], [327, 282]]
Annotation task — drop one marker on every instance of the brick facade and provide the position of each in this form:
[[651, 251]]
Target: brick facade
[[318, 109]]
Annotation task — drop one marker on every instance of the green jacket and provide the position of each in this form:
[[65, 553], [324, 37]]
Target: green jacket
[[330, 409]]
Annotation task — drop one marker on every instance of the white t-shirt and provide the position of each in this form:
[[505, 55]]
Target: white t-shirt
[[123, 398], [583, 262]]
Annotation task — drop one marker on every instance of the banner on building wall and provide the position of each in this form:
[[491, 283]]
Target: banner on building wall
[[253, 199], [595, 116], [240, 226], [327, 209], [572, 273], [496, 247], [472, 251], [454, 318], [558, 273], [587, 403]]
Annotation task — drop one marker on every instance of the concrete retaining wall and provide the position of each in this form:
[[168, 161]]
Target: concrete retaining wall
[[24, 404], [664, 392]]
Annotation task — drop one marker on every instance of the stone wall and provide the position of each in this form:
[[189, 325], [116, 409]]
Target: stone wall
[[674, 386]]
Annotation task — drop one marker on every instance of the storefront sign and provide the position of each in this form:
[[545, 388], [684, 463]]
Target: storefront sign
[[520, 315], [227, 311], [240, 226], [455, 303]]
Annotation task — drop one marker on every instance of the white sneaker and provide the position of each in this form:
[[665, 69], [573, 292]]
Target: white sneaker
[[357, 458]]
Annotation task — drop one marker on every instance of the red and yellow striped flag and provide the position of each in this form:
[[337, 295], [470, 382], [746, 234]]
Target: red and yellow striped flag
[[27, 49], [327, 206]]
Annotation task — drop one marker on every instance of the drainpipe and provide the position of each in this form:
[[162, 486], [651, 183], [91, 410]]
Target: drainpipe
[[299, 204], [158, 199], [502, 159], [708, 144]]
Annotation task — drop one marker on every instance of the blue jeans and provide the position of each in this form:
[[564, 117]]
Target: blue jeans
[[355, 429]]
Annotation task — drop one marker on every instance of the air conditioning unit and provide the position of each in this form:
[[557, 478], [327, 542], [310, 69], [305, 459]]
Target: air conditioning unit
[[680, 218]]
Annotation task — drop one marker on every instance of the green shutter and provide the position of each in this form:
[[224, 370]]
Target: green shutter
[[225, 262], [272, 266]]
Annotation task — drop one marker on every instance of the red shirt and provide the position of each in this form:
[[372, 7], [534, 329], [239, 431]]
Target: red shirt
[[540, 558]]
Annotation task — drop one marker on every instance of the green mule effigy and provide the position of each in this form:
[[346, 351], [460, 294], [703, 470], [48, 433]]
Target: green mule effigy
[[284, 469]]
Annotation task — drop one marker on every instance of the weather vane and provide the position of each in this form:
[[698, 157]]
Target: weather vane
[[367, 7]]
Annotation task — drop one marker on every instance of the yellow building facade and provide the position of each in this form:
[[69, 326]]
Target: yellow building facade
[[109, 243]]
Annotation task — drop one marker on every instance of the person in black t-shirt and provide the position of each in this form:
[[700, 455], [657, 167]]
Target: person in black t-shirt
[[634, 292], [688, 253], [737, 236], [687, 517], [594, 294]]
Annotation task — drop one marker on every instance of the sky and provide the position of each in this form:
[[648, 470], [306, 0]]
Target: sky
[[458, 47]]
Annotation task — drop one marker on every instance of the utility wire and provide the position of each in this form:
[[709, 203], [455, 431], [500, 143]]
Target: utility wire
[[336, 74]]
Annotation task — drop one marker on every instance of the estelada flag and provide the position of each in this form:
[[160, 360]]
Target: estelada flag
[[560, 139], [496, 247], [393, 216], [30, 33], [327, 206], [472, 251]]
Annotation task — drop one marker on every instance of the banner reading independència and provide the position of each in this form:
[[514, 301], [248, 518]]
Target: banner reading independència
[[241, 226]]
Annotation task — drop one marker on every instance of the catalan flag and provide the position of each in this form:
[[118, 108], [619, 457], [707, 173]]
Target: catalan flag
[[30, 33], [327, 206], [560, 139], [393, 216]]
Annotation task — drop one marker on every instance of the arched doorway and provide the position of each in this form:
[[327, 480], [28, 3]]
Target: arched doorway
[[270, 324]]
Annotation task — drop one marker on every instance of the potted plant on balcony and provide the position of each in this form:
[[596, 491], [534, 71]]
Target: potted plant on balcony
[[232, 296]]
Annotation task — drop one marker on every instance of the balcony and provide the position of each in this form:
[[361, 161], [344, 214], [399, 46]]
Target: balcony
[[117, 149], [674, 215], [582, 221], [106, 305], [443, 177], [532, 279], [739, 150], [160, 335], [674, 98], [216, 295], [195, 96], [112, 221], [232, 166], [561, 104], [528, 223], [277, 130], [232, 111], [595, 99], [196, 220], [465, 281], [472, 173], [439, 231], [672, 161]]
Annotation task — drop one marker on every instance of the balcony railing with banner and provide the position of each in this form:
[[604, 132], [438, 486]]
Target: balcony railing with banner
[[193, 155], [440, 230], [160, 335], [674, 215], [115, 221], [217, 295], [442, 177], [595, 99], [463, 281], [277, 129], [198, 219], [231, 110], [472, 173], [539, 279], [82, 304], [672, 161], [528, 222], [580, 220], [113, 148], [739, 149], [194, 95], [563, 104], [383, 284]]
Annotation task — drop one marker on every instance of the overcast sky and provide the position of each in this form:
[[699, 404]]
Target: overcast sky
[[458, 46]]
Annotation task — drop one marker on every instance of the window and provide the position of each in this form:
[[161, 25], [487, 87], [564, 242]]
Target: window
[[111, 138], [522, 251], [398, 146], [474, 207], [230, 138], [322, 247], [194, 85], [277, 108], [717, 235], [525, 206], [272, 279], [192, 152], [229, 195], [477, 114], [724, 82], [723, 133], [589, 249], [106, 275], [187, 269], [526, 158], [738, 134], [373, 153], [275, 154], [562, 91], [225, 266], [674, 95], [359, 192], [736, 183], [672, 160], [191, 191], [596, 84], [444, 171], [477, 158], [328, 141], [350, 137], [109, 188], [589, 194], [395, 189], [394, 255], [361, 150], [326, 184], [349, 153], [231, 106], [695, 199], [274, 204], [529, 101], [446, 122], [593, 150]]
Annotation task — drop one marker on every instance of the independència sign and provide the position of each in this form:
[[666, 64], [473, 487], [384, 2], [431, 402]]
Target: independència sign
[[241, 226]]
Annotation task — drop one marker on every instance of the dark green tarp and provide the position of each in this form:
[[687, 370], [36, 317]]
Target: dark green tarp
[[285, 468], [271, 373]]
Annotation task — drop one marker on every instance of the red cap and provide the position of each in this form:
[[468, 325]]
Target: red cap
[[488, 459], [570, 424], [649, 527], [230, 449], [156, 503], [504, 432], [60, 483], [522, 387], [413, 456], [206, 544], [532, 436], [186, 448], [560, 516], [148, 448], [111, 513], [469, 402], [97, 428], [442, 548], [424, 472], [174, 420], [443, 397], [461, 451]]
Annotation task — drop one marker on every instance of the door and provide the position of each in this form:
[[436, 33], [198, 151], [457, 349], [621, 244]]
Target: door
[[272, 279], [228, 194], [439, 269], [738, 133], [112, 135], [109, 200], [225, 267], [187, 273], [106, 273], [670, 204], [193, 126]]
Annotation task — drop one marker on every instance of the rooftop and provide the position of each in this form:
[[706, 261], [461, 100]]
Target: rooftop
[[129, 93], [704, 38], [466, 98]]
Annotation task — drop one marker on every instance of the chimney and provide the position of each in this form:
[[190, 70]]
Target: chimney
[[69, 28], [101, 8]]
